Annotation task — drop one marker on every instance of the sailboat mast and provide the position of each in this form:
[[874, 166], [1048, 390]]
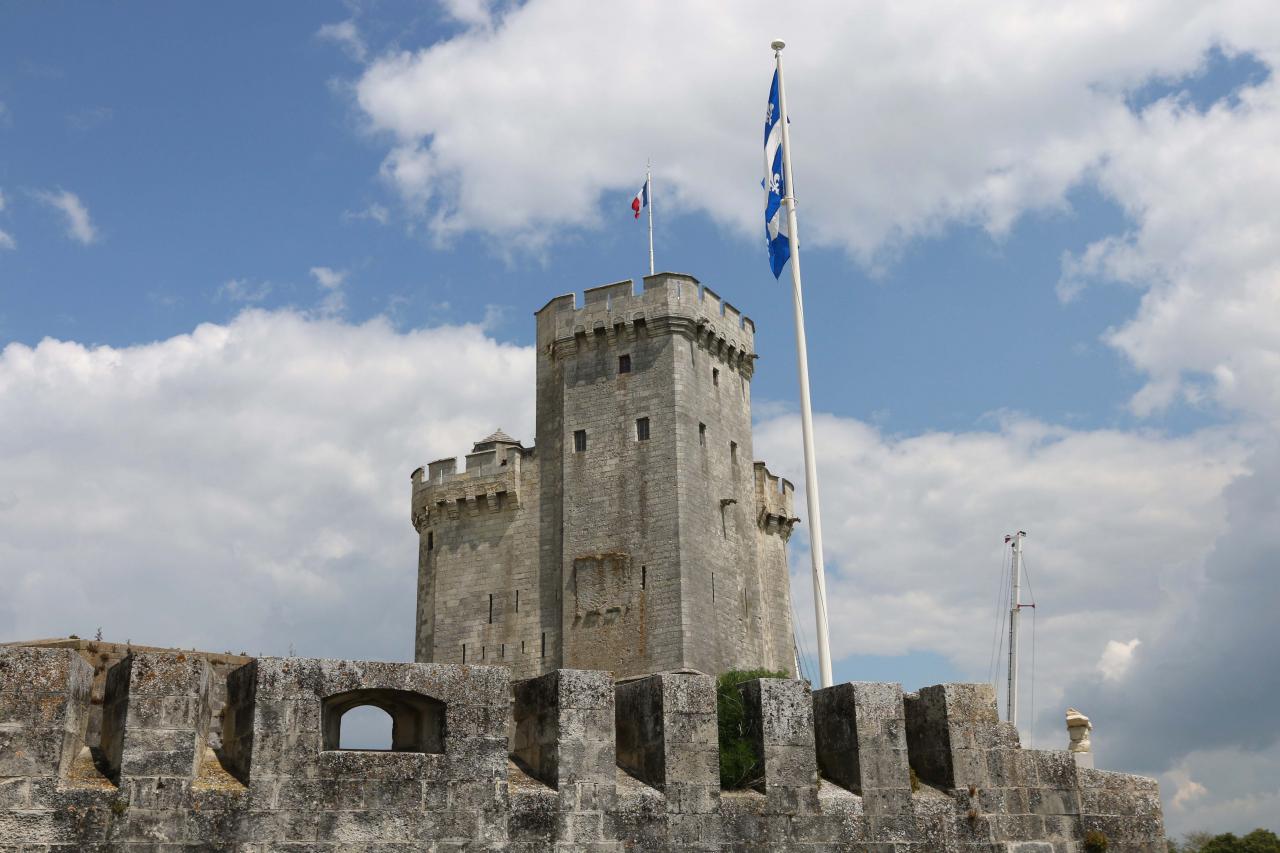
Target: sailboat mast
[[1015, 611]]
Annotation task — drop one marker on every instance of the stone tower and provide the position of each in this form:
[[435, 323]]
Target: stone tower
[[638, 535]]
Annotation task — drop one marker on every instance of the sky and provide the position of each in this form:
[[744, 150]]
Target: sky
[[258, 263]]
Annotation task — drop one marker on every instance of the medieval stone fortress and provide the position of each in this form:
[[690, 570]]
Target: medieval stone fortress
[[576, 600], [638, 535]]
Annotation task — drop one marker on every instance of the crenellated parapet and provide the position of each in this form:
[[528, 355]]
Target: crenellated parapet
[[669, 303], [569, 760], [775, 502], [489, 481]]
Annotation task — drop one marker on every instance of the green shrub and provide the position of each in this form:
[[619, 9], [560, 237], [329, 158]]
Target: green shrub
[[1095, 841], [739, 767]]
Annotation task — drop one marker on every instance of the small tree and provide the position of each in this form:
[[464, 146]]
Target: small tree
[[1258, 841], [739, 767]]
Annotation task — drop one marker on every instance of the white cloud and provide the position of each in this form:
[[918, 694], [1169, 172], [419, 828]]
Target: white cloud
[[6, 240], [331, 281], [906, 118], [329, 278], [79, 226], [1222, 790], [375, 212], [473, 12], [1119, 525], [1213, 660], [1185, 790], [243, 290], [1116, 658], [89, 118], [347, 36], [240, 487], [1200, 188]]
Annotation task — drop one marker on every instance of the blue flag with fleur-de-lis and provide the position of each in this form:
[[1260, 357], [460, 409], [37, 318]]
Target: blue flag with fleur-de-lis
[[775, 214]]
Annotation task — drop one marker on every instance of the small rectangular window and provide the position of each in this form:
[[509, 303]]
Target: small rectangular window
[[522, 647], [713, 587], [644, 576], [642, 429], [715, 376], [624, 363], [702, 435], [579, 440], [733, 451], [431, 539], [502, 655], [490, 608], [517, 601], [464, 652], [544, 644]]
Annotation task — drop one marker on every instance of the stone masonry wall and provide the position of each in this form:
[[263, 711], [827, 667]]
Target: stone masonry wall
[[566, 761], [478, 581]]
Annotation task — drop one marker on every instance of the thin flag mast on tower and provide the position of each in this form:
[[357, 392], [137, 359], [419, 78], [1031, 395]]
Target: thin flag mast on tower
[[781, 234], [648, 189], [644, 198]]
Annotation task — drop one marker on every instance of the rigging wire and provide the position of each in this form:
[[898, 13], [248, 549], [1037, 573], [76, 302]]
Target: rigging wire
[[802, 651], [1026, 572], [997, 638]]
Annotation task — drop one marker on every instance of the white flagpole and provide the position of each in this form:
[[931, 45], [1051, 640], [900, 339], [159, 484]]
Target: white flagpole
[[648, 187], [806, 414]]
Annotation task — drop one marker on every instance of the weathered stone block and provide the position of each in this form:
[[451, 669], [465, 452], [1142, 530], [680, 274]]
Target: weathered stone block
[[44, 706]]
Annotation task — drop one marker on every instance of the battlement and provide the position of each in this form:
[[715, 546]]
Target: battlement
[[775, 501], [672, 303], [568, 760], [490, 480]]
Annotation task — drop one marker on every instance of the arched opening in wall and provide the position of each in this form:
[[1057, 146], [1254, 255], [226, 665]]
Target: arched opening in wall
[[383, 719], [365, 727]]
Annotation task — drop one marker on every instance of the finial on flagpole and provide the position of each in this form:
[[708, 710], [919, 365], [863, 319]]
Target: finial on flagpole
[[778, 44]]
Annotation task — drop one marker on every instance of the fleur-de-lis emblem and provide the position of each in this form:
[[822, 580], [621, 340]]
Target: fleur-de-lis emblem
[[768, 114], [775, 184]]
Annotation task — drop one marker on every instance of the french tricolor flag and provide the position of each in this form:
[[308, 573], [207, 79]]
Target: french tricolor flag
[[641, 200]]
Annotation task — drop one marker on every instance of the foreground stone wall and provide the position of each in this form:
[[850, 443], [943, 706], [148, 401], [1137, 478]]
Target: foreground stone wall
[[565, 761]]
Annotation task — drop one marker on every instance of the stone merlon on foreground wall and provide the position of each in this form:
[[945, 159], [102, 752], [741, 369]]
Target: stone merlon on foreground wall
[[568, 760]]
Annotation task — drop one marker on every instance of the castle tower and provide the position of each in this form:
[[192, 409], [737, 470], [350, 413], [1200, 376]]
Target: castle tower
[[639, 534]]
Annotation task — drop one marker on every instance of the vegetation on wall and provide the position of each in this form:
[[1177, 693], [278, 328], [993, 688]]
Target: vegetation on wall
[[739, 766]]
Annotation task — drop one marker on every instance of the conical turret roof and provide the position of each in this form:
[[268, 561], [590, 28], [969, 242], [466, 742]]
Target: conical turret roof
[[498, 437]]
